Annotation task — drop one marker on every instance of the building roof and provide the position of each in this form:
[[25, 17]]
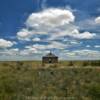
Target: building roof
[[50, 55]]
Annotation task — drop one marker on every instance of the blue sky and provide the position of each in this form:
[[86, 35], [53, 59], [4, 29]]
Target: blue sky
[[31, 28]]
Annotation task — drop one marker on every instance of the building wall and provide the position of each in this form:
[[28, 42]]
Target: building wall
[[50, 60]]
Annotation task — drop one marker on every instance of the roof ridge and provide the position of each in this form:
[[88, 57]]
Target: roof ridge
[[50, 54]]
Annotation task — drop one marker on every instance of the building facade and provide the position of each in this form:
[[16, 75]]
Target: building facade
[[50, 58]]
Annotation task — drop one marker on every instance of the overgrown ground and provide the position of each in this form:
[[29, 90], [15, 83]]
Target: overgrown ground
[[31, 81]]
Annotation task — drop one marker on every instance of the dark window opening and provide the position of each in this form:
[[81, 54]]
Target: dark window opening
[[50, 61]]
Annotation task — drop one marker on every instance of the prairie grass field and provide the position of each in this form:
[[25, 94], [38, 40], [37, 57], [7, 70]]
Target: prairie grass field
[[69, 80]]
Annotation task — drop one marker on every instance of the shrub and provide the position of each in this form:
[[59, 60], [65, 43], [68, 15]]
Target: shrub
[[94, 92]]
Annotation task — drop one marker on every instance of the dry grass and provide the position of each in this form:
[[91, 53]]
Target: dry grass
[[30, 81]]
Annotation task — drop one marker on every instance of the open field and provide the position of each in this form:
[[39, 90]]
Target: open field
[[30, 81], [61, 64]]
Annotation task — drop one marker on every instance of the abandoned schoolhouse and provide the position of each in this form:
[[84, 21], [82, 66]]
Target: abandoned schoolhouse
[[50, 59]]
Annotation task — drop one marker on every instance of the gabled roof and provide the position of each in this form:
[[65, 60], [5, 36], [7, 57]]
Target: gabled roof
[[50, 55]]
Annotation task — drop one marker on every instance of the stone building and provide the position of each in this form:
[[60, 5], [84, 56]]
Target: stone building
[[49, 59]]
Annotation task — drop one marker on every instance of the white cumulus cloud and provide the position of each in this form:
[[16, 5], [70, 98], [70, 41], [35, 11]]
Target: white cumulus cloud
[[36, 39], [24, 34], [84, 35], [5, 43], [52, 17], [48, 21], [97, 20]]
